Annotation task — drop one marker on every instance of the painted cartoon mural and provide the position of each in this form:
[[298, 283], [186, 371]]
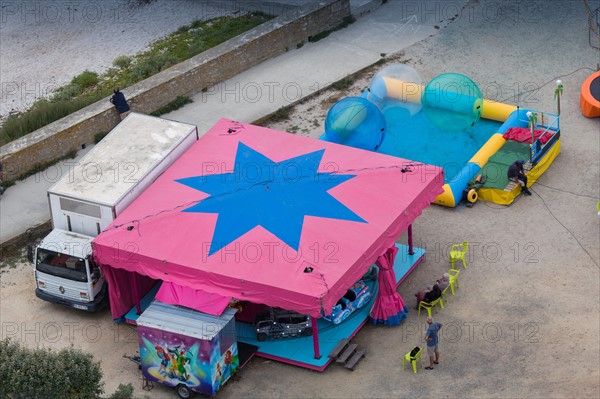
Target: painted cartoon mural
[[172, 359]]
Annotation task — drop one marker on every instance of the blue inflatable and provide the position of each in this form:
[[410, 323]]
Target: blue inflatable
[[355, 122], [452, 101]]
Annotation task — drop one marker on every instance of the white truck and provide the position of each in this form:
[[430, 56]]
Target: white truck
[[87, 199]]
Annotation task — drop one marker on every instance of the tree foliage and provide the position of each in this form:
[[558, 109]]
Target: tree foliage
[[44, 373]]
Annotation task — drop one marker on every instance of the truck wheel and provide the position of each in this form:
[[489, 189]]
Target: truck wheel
[[261, 336], [183, 391], [307, 332]]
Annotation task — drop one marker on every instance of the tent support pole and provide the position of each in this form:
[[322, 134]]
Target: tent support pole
[[136, 291], [315, 330], [410, 241]]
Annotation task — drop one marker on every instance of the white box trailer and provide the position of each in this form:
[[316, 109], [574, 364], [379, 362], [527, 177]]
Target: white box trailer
[[94, 192], [108, 178]]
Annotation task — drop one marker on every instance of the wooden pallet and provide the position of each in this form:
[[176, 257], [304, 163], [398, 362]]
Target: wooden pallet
[[358, 355], [349, 351], [339, 348], [347, 354]]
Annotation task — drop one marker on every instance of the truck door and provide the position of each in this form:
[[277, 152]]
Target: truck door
[[83, 225], [96, 277], [78, 217]]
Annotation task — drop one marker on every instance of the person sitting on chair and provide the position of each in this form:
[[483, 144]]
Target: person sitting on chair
[[432, 295], [421, 295], [444, 281], [516, 173]]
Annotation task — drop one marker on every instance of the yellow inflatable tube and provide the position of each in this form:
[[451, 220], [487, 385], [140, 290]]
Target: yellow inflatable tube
[[489, 148], [453, 189], [411, 92]]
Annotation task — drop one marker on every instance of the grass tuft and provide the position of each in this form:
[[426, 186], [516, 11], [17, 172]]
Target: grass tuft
[[179, 102], [89, 87]]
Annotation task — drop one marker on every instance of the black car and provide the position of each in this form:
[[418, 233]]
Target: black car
[[278, 323]]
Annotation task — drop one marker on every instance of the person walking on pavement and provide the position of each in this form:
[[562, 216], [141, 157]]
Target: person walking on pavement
[[118, 99], [516, 173], [431, 337]]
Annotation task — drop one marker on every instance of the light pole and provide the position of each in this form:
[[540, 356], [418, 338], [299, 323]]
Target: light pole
[[557, 92], [532, 118]]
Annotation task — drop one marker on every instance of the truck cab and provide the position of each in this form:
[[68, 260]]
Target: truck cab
[[66, 274]]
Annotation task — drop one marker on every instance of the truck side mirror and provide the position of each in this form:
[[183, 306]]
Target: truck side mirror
[[30, 251]]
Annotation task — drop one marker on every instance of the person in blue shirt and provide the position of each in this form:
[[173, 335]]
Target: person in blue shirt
[[118, 99], [431, 336]]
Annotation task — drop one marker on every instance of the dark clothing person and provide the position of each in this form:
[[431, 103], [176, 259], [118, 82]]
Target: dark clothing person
[[432, 295], [516, 173], [118, 99]]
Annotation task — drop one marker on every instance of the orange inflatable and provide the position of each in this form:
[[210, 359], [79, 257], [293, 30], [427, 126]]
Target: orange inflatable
[[589, 100]]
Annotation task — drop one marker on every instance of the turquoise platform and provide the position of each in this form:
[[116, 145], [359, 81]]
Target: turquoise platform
[[299, 351], [132, 316]]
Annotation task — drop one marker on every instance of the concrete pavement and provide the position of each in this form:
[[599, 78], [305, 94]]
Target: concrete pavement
[[25, 204], [255, 93], [301, 72]]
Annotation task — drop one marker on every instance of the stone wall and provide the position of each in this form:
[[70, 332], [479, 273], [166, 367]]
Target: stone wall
[[189, 77]]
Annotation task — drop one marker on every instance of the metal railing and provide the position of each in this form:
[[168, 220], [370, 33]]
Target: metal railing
[[548, 123]]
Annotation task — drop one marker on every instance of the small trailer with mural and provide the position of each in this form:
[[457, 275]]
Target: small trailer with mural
[[186, 349]]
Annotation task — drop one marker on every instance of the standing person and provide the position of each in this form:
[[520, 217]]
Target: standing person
[[118, 99], [431, 336], [516, 173]]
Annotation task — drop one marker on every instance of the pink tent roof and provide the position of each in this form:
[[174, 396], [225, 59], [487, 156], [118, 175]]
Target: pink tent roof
[[269, 217]]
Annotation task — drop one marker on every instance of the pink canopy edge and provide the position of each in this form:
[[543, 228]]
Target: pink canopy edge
[[175, 294], [169, 245]]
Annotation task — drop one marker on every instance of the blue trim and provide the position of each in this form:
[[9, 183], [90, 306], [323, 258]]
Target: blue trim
[[394, 320], [132, 315], [299, 350]]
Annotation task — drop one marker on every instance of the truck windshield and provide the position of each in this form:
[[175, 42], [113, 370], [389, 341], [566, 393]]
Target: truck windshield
[[61, 265]]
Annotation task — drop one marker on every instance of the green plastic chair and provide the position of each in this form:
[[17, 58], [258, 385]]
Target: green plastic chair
[[413, 360], [444, 292], [453, 274], [458, 251], [430, 305]]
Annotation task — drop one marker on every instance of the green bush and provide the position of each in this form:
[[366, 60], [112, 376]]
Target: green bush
[[88, 87], [66, 92], [343, 83], [179, 102], [152, 65], [322, 35], [123, 392], [99, 136], [85, 79], [122, 61], [42, 113], [43, 373]]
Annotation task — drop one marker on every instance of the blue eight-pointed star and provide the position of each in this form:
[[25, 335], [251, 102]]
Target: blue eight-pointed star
[[274, 195]]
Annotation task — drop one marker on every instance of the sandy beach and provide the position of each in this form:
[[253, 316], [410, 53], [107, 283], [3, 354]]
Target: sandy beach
[[44, 44]]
